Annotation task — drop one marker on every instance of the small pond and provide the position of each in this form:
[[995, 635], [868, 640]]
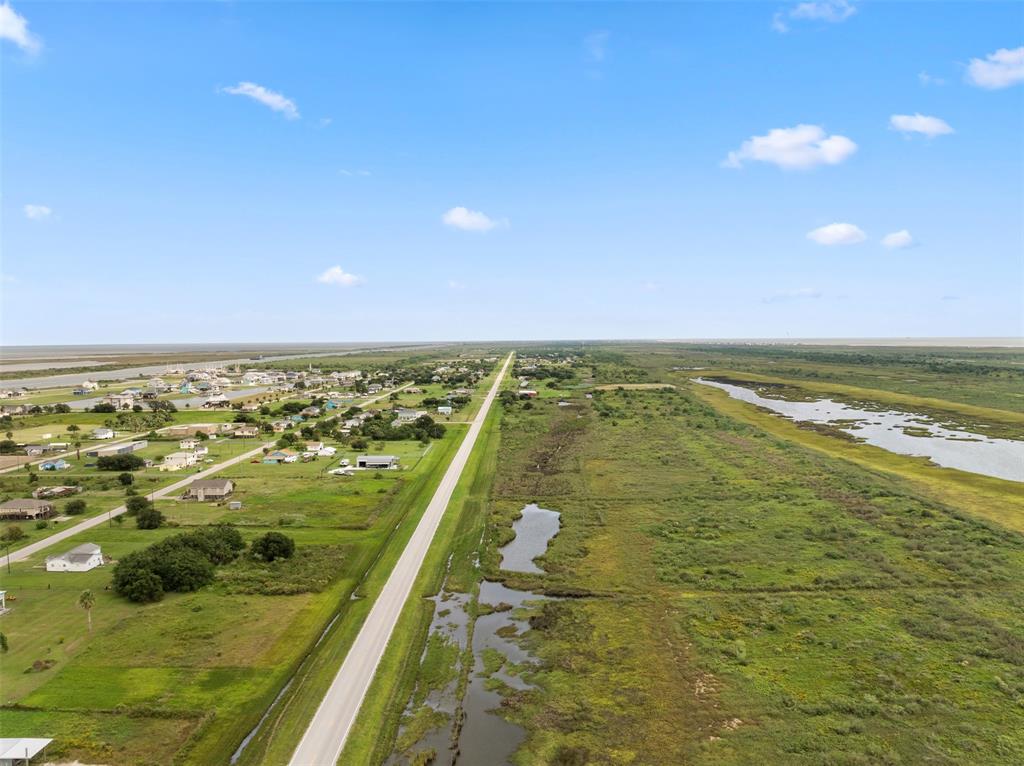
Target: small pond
[[534, 530]]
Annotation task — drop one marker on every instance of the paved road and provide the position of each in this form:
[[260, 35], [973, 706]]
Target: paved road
[[323, 741], [64, 534]]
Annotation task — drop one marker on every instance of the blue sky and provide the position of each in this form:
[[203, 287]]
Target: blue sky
[[347, 172]]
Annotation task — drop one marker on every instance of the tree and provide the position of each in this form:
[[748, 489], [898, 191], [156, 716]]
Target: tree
[[87, 601], [272, 546], [149, 518], [12, 534], [136, 504], [139, 584], [61, 408], [3, 642], [73, 429], [8, 446], [127, 462], [104, 407], [75, 507], [126, 479]]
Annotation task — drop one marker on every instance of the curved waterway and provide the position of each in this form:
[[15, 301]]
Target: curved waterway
[[534, 530], [904, 433]]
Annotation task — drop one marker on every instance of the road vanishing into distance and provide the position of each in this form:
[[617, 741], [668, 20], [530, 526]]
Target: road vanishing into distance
[[322, 743]]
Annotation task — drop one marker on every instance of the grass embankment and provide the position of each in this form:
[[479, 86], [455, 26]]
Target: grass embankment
[[995, 499]]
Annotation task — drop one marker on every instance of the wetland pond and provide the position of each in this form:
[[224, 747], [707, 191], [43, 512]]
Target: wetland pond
[[471, 731], [905, 433]]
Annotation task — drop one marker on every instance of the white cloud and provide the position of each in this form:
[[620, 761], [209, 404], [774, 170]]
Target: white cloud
[[323, 122], [37, 212], [351, 173], [276, 101], [793, 148], [14, 27], [920, 123], [596, 45], [470, 220], [997, 70], [804, 293], [898, 240], [830, 11], [926, 79], [338, 276], [454, 284], [837, 234]]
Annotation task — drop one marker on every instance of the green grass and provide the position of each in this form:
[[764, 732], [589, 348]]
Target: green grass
[[747, 591]]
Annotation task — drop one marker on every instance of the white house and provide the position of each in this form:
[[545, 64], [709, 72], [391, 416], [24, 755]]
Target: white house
[[103, 433], [90, 385], [178, 460], [120, 401], [80, 559], [188, 443], [445, 410]]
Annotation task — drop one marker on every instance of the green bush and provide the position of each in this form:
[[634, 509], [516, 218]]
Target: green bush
[[271, 546], [75, 507], [149, 518]]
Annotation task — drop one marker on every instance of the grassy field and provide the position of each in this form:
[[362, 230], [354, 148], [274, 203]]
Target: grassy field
[[735, 589], [199, 669]]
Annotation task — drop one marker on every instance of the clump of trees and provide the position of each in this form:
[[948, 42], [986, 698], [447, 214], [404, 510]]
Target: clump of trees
[[422, 428], [145, 513], [181, 564], [126, 462], [75, 507], [272, 546]]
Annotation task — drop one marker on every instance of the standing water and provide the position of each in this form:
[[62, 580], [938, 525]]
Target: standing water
[[902, 432]]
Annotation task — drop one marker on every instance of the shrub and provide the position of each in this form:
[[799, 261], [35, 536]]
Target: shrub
[[149, 518], [75, 507], [136, 503], [271, 546], [126, 479], [12, 534], [42, 524]]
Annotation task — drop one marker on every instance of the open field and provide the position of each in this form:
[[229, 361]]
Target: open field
[[743, 590], [186, 678]]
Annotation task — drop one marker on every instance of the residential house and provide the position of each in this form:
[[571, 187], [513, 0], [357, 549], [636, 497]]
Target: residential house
[[102, 433], [527, 393], [189, 443], [81, 558], [178, 460], [377, 461], [314, 446], [90, 385], [246, 431], [311, 412], [203, 490], [55, 465], [26, 508], [280, 456], [34, 450], [281, 425], [407, 416], [120, 401], [445, 410]]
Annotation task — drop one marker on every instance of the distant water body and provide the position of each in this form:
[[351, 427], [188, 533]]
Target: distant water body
[[894, 431], [73, 379]]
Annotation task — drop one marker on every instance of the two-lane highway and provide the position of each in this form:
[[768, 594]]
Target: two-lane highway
[[323, 741]]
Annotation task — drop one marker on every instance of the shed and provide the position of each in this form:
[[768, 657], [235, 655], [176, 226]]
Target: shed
[[377, 461]]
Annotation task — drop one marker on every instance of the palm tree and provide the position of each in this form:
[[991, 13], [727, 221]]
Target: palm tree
[[87, 601]]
